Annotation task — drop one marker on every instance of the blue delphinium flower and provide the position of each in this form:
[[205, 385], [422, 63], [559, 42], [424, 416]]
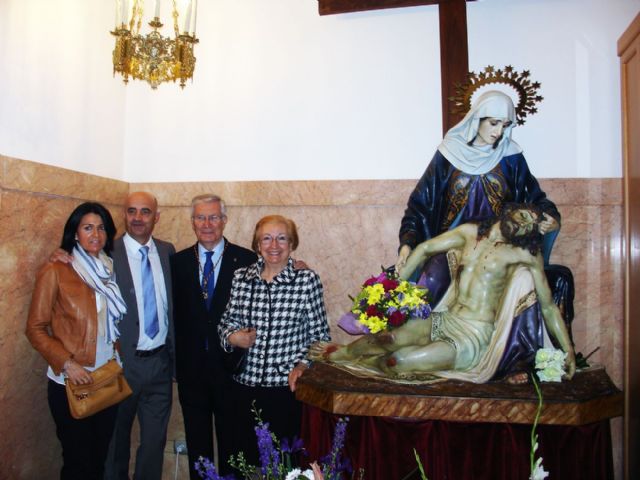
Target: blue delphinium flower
[[333, 463], [269, 458], [207, 470]]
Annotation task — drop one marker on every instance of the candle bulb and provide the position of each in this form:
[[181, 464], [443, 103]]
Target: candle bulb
[[125, 12], [157, 14], [194, 18], [118, 13], [187, 19]]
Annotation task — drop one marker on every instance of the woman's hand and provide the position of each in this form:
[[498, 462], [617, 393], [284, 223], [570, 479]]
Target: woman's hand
[[76, 373], [548, 224], [295, 374], [403, 254], [243, 338]]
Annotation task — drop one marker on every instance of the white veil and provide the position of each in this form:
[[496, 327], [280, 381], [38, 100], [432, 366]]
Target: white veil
[[473, 159]]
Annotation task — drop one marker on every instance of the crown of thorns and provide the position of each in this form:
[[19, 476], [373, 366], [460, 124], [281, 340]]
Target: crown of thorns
[[526, 90]]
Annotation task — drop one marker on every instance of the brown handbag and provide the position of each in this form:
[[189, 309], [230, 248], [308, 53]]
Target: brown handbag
[[108, 388]]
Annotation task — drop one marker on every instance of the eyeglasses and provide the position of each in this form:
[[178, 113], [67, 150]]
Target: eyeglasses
[[280, 240], [204, 218]]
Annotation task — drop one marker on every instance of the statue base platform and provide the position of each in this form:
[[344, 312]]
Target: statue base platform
[[589, 397], [462, 430]]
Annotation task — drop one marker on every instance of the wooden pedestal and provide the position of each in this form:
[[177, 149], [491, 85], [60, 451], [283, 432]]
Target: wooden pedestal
[[589, 397]]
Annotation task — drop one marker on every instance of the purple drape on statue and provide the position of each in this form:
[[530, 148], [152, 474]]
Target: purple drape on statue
[[383, 447]]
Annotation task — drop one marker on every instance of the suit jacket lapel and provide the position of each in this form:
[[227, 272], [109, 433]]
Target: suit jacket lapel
[[227, 268], [166, 271], [125, 282]]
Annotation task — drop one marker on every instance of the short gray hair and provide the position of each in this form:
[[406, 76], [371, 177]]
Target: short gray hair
[[208, 198]]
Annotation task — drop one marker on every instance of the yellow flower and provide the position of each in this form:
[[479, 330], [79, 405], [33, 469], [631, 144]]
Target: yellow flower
[[375, 293], [374, 324]]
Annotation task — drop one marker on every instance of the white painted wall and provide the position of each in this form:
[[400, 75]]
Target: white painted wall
[[59, 104], [282, 93]]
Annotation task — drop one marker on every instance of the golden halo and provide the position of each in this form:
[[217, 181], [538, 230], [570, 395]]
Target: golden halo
[[520, 82]]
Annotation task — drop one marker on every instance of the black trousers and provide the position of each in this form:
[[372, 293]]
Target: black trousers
[[84, 442], [278, 407], [203, 404]]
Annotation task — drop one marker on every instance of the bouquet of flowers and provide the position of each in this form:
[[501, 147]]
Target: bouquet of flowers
[[385, 302], [276, 458]]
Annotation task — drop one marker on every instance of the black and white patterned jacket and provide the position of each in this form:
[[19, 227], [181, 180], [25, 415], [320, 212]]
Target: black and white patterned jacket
[[288, 314]]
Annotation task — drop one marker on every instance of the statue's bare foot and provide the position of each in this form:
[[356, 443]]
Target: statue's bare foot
[[387, 364], [517, 378], [334, 352], [325, 350]]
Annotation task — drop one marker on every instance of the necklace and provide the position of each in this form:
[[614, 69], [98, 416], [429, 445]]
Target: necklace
[[205, 280]]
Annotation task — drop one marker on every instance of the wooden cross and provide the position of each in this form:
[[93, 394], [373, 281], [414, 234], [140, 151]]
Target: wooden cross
[[454, 52]]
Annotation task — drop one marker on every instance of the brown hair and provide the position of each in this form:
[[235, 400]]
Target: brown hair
[[292, 231]]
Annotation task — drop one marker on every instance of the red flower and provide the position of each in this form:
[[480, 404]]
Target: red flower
[[390, 284], [397, 318], [372, 311], [370, 281]]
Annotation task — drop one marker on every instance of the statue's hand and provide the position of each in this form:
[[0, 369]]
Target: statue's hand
[[548, 224], [570, 363], [403, 255]]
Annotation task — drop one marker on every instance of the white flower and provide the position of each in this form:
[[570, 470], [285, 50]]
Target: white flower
[[550, 364], [551, 374], [296, 473], [538, 472]]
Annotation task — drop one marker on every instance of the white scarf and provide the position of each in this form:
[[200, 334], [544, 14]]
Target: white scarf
[[476, 160], [98, 274]]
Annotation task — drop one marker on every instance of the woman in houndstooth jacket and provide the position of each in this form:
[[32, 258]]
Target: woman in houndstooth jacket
[[276, 312]]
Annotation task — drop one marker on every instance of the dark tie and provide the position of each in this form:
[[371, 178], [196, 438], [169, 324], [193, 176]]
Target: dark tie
[[208, 278], [151, 326]]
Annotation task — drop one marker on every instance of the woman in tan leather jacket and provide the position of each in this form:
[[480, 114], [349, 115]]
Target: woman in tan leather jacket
[[75, 309]]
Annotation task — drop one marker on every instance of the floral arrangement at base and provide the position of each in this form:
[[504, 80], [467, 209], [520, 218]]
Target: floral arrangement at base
[[276, 458], [385, 302]]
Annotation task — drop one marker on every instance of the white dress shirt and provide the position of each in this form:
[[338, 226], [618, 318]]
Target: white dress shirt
[[135, 265], [215, 259]]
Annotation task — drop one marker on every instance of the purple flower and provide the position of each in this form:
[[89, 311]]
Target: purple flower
[[207, 470], [269, 458], [334, 465], [423, 311], [295, 447]]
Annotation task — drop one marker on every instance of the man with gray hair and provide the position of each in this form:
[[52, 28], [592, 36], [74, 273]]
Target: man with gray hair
[[202, 275]]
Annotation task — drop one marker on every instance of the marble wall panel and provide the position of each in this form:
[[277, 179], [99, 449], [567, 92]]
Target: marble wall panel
[[26, 176]]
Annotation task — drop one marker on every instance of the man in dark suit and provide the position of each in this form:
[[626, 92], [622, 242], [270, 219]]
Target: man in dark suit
[[202, 275], [142, 268]]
